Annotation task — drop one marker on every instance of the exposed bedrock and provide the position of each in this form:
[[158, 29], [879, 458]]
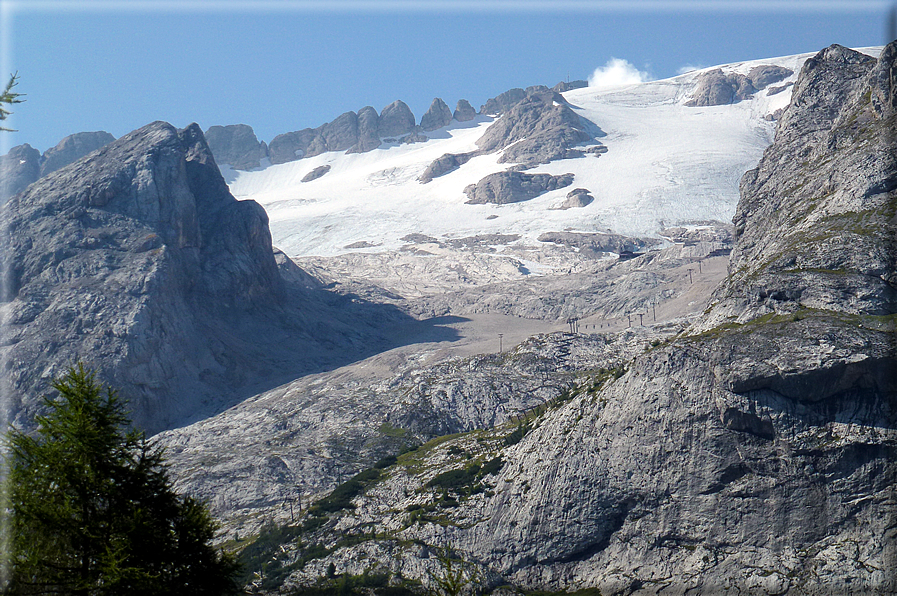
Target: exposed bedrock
[[236, 145], [717, 88], [437, 116], [73, 148], [464, 112], [513, 187], [18, 168], [138, 261]]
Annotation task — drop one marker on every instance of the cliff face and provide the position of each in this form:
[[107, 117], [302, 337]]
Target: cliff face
[[816, 220], [137, 260], [754, 453]]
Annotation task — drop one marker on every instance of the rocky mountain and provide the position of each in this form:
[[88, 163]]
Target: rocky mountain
[[237, 146], [24, 164], [750, 452], [137, 260], [72, 148], [18, 168]]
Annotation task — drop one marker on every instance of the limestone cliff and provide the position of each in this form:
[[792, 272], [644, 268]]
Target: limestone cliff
[[138, 261], [752, 454]]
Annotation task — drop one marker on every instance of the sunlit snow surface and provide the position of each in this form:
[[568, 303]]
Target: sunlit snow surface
[[666, 164]]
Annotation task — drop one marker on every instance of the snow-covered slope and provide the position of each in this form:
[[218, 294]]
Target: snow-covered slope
[[666, 164]]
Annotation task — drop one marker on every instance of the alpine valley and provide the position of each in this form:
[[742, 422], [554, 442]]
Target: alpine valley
[[628, 340]]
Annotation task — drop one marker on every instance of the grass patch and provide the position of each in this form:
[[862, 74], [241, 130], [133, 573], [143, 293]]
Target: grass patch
[[392, 431], [342, 495]]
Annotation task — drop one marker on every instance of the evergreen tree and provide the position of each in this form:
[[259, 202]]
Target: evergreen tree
[[93, 509], [8, 97]]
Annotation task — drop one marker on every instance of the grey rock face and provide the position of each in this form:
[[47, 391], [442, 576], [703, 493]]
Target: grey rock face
[[437, 116], [316, 173], [414, 137], [368, 130], [290, 146], [18, 168], [109, 251], [767, 74], [756, 455], [464, 112], [540, 129], [138, 261], [396, 120], [236, 145], [339, 135], [598, 242], [73, 148], [504, 101], [445, 164], [512, 187], [564, 86], [716, 88], [824, 192], [575, 201]]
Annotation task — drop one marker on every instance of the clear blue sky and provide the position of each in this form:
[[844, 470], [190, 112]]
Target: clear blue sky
[[284, 65]]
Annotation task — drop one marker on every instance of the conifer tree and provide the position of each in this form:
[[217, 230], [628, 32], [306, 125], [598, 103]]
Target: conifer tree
[[93, 509], [8, 97]]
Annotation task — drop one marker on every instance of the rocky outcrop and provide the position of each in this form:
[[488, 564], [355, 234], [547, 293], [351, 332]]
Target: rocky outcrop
[[821, 199], [350, 132], [766, 74], [576, 198], [497, 105], [445, 164], [138, 261], [464, 112], [316, 173], [396, 120], [290, 146], [513, 187], [597, 242], [73, 148], [368, 131], [716, 88], [236, 145], [538, 129], [536, 126], [437, 116], [18, 168], [565, 86]]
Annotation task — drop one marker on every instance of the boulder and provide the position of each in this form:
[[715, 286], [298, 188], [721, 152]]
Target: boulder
[[579, 197]]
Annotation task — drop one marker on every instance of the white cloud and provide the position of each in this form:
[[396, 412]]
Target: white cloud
[[689, 68], [615, 73]]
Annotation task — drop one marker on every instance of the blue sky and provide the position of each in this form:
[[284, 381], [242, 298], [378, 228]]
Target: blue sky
[[282, 65]]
